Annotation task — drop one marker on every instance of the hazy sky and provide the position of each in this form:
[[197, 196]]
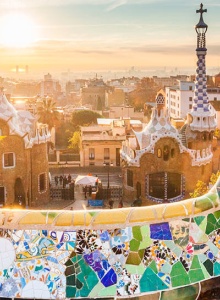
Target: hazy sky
[[104, 34]]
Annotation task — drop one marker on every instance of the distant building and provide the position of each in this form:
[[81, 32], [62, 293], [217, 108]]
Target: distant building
[[101, 144], [49, 87], [24, 170], [94, 94], [179, 98], [216, 80]]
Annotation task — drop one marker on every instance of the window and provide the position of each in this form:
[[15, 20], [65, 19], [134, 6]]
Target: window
[[42, 182], [190, 106], [106, 153], [91, 153], [130, 178], [190, 98], [9, 160], [190, 88], [159, 153], [165, 153]]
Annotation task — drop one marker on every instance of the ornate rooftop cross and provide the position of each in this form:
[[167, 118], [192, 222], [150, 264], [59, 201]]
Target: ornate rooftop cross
[[201, 10]]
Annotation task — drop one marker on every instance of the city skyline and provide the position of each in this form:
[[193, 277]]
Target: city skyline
[[84, 35]]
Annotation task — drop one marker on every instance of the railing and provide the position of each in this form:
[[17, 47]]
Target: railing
[[121, 253]]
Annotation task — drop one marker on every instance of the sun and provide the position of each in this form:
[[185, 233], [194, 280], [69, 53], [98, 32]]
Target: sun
[[17, 30]]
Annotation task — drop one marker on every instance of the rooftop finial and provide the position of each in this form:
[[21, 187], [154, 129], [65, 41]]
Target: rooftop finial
[[201, 10]]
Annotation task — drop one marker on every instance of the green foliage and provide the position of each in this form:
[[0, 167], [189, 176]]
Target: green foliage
[[84, 118], [202, 188], [214, 177], [63, 133], [74, 142]]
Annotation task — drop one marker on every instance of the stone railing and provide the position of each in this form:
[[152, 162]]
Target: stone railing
[[119, 253]]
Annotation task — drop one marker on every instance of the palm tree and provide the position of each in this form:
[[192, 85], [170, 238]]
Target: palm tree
[[48, 113]]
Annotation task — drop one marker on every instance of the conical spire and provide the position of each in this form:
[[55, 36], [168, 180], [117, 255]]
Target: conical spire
[[203, 116]]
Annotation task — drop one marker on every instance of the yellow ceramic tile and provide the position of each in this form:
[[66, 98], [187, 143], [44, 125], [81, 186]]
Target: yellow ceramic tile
[[35, 218], [64, 219], [81, 218], [111, 217], [142, 214], [175, 210]]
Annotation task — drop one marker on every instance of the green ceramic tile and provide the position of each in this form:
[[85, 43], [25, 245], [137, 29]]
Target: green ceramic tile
[[141, 253], [175, 248], [134, 245], [91, 280], [198, 220], [184, 293], [135, 269], [145, 231], [204, 271], [203, 204], [133, 258], [137, 233], [216, 269], [71, 280], [146, 242], [202, 257], [211, 223], [151, 282], [195, 263], [70, 291], [213, 248], [179, 277], [209, 267], [166, 268], [153, 266], [96, 290], [217, 214], [107, 291], [196, 275], [187, 220]]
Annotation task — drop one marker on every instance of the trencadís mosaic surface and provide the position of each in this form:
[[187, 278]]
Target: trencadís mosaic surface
[[59, 254]]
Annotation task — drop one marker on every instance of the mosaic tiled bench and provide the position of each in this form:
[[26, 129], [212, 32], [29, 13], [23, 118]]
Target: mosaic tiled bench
[[119, 253]]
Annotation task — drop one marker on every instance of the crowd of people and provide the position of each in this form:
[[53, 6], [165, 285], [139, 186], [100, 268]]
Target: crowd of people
[[62, 180]]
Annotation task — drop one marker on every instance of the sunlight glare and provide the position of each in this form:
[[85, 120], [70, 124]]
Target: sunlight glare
[[17, 30]]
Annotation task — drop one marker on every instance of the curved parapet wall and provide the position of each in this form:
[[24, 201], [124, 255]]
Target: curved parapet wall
[[109, 253]]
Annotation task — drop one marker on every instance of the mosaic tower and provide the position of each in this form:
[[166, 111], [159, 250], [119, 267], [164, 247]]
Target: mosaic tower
[[202, 116]]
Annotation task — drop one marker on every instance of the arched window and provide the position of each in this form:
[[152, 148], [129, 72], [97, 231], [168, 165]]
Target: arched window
[[172, 152], [159, 152], [165, 153]]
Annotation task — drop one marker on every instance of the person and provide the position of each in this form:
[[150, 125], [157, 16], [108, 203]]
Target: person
[[64, 181], [56, 180], [69, 178], [120, 204], [61, 179], [90, 190], [111, 202], [85, 190]]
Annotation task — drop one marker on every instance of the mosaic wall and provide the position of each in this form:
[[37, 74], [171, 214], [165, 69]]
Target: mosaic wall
[[103, 263]]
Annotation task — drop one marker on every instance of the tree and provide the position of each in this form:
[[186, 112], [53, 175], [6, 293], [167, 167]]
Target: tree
[[84, 118], [48, 113], [74, 142]]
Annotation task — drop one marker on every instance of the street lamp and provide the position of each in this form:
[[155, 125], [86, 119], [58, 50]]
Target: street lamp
[[108, 185]]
